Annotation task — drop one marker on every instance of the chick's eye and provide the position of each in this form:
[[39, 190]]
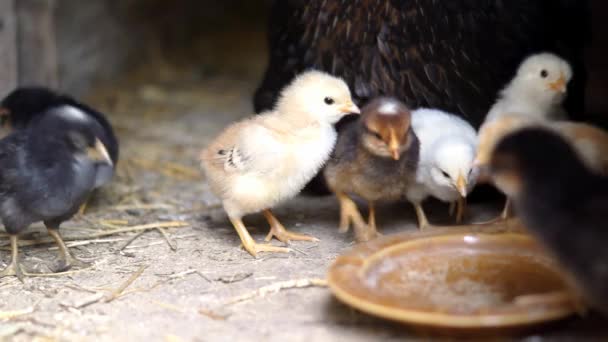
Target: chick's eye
[[445, 174], [544, 73], [376, 135], [329, 101]]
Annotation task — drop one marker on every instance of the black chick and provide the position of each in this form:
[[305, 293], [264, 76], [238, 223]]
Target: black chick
[[374, 158], [451, 55], [25, 105], [560, 201], [48, 170]]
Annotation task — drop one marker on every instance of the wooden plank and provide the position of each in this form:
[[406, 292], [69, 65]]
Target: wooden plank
[[8, 46], [38, 64]]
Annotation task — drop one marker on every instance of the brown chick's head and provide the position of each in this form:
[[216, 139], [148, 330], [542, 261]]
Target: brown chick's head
[[531, 157], [317, 96], [386, 127]]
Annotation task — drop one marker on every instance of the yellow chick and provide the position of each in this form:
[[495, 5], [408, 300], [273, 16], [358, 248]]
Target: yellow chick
[[255, 164]]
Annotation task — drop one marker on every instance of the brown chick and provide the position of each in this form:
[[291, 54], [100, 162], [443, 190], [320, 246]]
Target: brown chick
[[374, 158], [590, 142]]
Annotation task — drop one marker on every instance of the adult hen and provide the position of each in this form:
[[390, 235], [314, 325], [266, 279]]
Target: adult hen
[[451, 55]]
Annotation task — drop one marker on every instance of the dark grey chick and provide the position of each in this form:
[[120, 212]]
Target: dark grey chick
[[375, 158]]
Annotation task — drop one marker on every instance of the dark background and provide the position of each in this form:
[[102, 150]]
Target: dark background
[[99, 40]]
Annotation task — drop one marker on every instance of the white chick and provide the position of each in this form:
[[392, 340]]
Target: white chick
[[537, 90], [447, 150], [261, 161]]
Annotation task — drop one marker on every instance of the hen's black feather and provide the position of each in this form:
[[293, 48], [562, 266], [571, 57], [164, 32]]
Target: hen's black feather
[[563, 204], [452, 55]]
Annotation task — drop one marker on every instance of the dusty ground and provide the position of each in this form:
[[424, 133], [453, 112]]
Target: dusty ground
[[186, 293]]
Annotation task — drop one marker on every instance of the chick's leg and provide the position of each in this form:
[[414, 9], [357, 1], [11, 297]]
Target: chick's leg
[[13, 268], [506, 211], [504, 215], [457, 208], [368, 232], [278, 230], [423, 222], [461, 206], [349, 214], [251, 246], [66, 259]]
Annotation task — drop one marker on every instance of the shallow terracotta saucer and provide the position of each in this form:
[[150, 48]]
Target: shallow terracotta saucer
[[461, 277]]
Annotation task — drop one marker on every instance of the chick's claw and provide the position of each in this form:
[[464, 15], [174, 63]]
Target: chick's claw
[[278, 230], [66, 260], [254, 248], [13, 269]]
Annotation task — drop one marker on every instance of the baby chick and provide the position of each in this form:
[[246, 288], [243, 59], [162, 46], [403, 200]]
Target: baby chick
[[375, 158], [47, 172], [261, 161], [534, 95], [25, 105], [447, 150], [590, 142], [537, 90], [561, 201]]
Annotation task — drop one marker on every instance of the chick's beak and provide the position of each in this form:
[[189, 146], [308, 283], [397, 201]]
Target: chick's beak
[[350, 108], [559, 85], [99, 153], [461, 185], [393, 146]]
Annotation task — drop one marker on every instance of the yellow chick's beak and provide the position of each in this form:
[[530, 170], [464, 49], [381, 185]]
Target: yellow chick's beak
[[559, 85], [350, 108], [99, 153], [461, 185]]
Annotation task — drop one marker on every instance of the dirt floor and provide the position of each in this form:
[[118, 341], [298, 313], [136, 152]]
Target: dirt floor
[[158, 231]]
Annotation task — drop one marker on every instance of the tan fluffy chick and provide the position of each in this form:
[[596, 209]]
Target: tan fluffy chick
[[255, 164], [590, 142], [375, 158]]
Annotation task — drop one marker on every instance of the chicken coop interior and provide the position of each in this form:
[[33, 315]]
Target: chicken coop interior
[[164, 262]]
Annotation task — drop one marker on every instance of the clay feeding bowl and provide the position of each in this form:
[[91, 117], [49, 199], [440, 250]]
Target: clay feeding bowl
[[455, 278]]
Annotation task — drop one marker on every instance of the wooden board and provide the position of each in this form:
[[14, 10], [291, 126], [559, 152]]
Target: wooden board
[[8, 49], [37, 45]]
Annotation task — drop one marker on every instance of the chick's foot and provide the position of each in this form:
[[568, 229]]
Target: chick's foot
[[249, 244], [66, 260], [368, 232], [350, 214], [278, 230], [13, 268]]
